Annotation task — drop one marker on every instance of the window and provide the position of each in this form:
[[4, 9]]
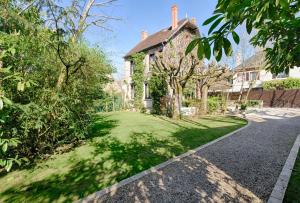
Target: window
[[254, 76], [247, 76], [131, 67], [240, 77], [132, 91], [147, 91], [151, 61]]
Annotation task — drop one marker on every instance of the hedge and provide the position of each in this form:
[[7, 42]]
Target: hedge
[[289, 83]]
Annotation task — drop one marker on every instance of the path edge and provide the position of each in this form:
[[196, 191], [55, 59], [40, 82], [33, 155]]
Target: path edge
[[92, 197], [281, 185]]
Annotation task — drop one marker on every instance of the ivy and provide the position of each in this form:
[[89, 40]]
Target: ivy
[[138, 79], [158, 88]]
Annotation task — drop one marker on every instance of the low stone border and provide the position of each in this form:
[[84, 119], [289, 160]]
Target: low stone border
[[126, 181], [278, 192]]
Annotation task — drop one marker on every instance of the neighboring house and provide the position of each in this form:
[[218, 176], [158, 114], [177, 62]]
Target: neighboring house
[[183, 29], [253, 71]]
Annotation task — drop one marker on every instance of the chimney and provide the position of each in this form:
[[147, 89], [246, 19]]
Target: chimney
[[144, 35], [174, 17], [193, 20]]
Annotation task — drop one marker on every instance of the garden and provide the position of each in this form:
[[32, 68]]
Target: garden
[[120, 145]]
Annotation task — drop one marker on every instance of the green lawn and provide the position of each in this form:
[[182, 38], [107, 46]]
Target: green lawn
[[293, 191], [122, 145]]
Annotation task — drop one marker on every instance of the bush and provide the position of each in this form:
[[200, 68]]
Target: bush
[[253, 103], [158, 91], [214, 104], [243, 107], [289, 83]]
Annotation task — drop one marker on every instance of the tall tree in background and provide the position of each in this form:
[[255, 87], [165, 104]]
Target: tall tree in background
[[69, 24], [276, 21]]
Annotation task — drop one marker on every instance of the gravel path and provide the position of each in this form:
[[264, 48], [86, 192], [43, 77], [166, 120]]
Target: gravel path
[[241, 168]]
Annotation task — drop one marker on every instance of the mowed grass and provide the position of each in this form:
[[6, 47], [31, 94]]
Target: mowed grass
[[121, 145], [293, 191]]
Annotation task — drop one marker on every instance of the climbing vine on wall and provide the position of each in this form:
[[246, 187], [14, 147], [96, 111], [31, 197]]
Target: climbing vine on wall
[[138, 79]]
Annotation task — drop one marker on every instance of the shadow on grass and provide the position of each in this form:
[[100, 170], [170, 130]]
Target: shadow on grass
[[112, 161], [102, 125]]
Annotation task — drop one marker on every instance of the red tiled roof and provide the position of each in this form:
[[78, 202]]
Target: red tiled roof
[[159, 37]]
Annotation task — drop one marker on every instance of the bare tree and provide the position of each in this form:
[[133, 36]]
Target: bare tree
[[208, 76], [178, 70], [69, 24]]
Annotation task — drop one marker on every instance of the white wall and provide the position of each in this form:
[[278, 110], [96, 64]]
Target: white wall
[[263, 77]]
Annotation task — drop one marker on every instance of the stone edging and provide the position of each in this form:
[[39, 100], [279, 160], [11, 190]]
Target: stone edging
[[114, 187], [278, 192]]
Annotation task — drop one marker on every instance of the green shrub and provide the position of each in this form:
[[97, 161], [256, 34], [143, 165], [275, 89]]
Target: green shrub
[[158, 91], [289, 83], [243, 107], [252, 103], [214, 104]]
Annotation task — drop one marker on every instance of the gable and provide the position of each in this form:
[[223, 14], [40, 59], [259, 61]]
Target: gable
[[161, 37]]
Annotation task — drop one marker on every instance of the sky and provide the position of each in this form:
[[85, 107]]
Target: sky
[[138, 15]]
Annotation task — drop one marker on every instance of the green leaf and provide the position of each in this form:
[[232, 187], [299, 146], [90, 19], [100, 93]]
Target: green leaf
[[21, 86], [1, 104], [4, 147], [219, 56], [191, 46], [209, 20], [7, 101], [207, 49], [227, 47], [214, 25], [218, 50], [277, 2], [8, 165], [284, 3], [249, 26], [235, 37], [200, 51]]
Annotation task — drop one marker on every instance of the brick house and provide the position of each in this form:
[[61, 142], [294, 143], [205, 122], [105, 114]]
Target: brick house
[[185, 29]]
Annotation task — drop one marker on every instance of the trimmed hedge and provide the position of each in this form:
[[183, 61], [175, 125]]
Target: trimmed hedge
[[289, 83]]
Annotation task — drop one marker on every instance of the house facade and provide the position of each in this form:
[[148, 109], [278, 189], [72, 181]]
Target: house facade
[[185, 29], [252, 73]]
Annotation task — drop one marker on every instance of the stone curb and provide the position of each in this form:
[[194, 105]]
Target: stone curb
[[278, 192], [94, 196]]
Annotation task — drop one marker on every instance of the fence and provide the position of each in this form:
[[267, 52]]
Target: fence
[[273, 98]]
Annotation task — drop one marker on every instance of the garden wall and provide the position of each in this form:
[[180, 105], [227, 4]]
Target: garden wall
[[273, 98]]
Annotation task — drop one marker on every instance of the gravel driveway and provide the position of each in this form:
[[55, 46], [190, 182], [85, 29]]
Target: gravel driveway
[[240, 168]]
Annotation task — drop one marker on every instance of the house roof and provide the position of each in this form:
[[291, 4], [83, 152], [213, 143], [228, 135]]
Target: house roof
[[160, 37], [253, 63]]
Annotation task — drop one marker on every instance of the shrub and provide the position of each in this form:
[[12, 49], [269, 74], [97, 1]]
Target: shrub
[[252, 103], [158, 91], [214, 104], [243, 107], [289, 83]]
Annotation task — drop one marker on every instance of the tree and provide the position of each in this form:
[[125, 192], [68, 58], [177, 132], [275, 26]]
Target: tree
[[69, 23], [276, 22], [178, 70], [208, 76], [37, 117]]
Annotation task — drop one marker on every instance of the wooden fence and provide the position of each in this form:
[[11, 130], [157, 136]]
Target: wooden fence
[[273, 98]]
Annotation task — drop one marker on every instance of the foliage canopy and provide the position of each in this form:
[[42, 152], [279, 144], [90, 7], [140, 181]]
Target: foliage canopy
[[276, 24]]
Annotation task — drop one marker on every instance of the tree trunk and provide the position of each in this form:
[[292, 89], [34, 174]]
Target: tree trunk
[[204, 94], [198, 90], [178, 102]]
